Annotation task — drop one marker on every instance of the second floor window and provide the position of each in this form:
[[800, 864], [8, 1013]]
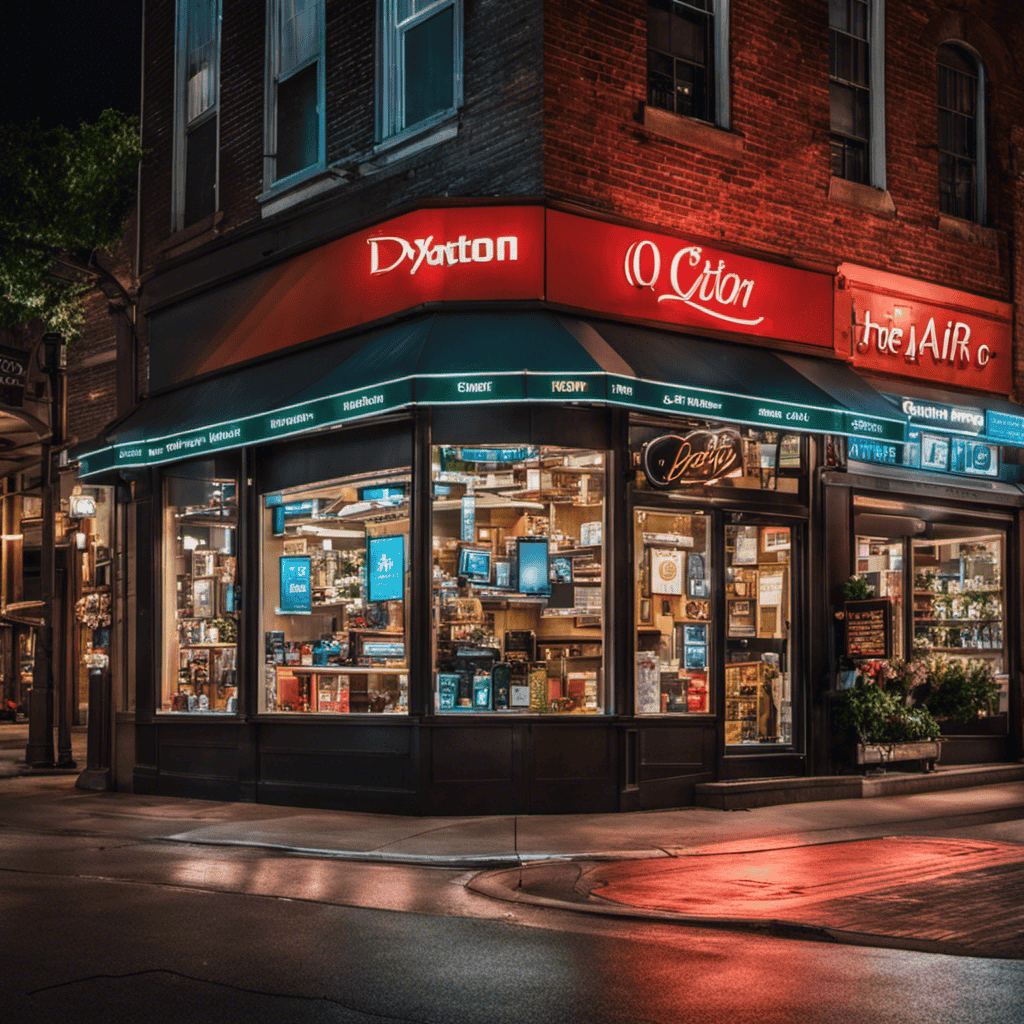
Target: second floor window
[[420, 71], [681, 57], [850, 89], [960, 133], [196, 142], [295, 87]]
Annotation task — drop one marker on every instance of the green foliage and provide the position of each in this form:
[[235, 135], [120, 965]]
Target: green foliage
[[875, 715], [66, 193], [959, 690], [856, 588]]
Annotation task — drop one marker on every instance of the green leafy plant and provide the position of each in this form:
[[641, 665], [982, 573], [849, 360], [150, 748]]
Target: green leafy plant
[[877, 716], [856, 588], [959, 691]]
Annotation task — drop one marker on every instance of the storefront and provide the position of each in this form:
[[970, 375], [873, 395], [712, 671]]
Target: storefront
[[510, 554], [934, 525]]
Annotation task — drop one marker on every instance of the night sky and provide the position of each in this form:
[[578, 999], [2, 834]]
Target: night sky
[[67, 60]]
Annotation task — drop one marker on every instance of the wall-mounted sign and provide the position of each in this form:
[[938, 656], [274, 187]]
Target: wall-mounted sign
[[868, 628], [934, 452], [702, 456], [13, 374], [1005, 427], [973, 458], [468, 517], [641, 274], [296, 595], [385, 568], [962, 419], [896, 325]]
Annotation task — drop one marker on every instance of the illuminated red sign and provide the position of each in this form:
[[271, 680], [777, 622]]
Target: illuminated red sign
[[433, 255], [627, 272], [896, 325]]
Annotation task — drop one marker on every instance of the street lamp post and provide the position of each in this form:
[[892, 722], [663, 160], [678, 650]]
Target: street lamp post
[[39, 751]]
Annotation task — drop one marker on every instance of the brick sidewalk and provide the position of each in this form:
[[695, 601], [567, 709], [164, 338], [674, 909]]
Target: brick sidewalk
[[965, 896]]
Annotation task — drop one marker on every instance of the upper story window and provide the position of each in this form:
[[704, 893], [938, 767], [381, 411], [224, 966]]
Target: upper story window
[[197, 66], [295, 88], [420, 68], [687, 58], [857, 90], [961, 130]]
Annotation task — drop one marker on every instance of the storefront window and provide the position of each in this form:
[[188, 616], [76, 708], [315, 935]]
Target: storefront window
[[335, 596], [518, 579], [959, 598], [672, 584], [759, 648], [200, 597]]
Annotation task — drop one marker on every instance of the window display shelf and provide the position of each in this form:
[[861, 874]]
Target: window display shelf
[[921, 620], [981, 652]]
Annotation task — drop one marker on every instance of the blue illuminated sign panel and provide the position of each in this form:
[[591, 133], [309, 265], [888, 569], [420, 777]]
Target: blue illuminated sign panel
[[385, 568], [296, 595]]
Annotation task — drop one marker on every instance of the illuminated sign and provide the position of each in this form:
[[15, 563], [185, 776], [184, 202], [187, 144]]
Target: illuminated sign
[[438, 254], [385, 572], [896, 325], [630, 273], [296, 595], [702, 456], [1005, 427], [964, 419]]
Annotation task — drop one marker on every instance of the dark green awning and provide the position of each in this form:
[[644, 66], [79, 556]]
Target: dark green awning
[[465, 358]]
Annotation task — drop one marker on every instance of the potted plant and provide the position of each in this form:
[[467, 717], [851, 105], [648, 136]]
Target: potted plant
[[877, 720], [856, 588], [962, 695]]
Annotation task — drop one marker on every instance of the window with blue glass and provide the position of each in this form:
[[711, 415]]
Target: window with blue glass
[[295, 88], [420, 75], [197, 71]]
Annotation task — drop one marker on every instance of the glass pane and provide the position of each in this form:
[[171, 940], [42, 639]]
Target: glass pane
[[429, 67], [692, 91], [199, 591], [518, 580], [201, 171], [688, 36], [659, 27], [960, 601], [672, 601], [201, 86], [880, 562], [300, 33], [759, 642], [298, 124], [336, 577]]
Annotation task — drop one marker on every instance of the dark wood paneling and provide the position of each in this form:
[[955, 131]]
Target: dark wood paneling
[[974, 749], [568, 752], [467, 754], [766, 766]]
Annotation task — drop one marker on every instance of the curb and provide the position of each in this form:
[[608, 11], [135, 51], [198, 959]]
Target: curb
[[495, 884]]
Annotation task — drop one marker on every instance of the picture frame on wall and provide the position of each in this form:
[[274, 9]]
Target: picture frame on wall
[[644, 611], [203, 563], [296, 546], [203, 598], [696, 576], [746, 546], [667, 571]]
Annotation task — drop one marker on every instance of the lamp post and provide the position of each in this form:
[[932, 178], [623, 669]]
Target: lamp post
[[39, 751]]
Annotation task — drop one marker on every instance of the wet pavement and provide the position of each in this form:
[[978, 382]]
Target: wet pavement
[[936, 872]]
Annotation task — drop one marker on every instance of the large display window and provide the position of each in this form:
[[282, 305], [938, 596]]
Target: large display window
[[518, 579], [673, 610], [335, 596], [200, 596]]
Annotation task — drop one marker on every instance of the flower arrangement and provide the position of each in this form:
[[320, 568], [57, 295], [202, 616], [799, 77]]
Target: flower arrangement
[[881, 707], [958, 690]]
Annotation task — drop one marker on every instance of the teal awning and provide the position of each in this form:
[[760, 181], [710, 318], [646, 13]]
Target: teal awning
[[465, 358]]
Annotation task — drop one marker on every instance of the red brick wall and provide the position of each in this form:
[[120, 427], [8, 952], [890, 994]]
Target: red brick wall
[[772, 196]]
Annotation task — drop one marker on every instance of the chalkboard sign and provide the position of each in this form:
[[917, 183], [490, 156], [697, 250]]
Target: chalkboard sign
[[868, 629]]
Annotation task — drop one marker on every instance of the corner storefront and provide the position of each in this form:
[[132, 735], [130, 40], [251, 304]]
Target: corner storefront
[[498, 509]]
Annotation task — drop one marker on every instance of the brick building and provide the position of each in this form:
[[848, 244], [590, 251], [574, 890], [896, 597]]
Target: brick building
[[521, 382]]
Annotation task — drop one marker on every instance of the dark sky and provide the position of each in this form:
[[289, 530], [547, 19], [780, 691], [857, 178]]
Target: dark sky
[[66, 60]]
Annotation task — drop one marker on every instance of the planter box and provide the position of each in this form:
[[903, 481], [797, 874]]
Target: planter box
[[926, 751], [993, 725]]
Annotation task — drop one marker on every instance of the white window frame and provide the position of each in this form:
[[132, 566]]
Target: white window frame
[[980, 134], [391, 126], [271, 182], [181, 120]]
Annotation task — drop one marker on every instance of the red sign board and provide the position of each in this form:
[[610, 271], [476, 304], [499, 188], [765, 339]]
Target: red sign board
[[904, 327], [432, 255], [637, 274]]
